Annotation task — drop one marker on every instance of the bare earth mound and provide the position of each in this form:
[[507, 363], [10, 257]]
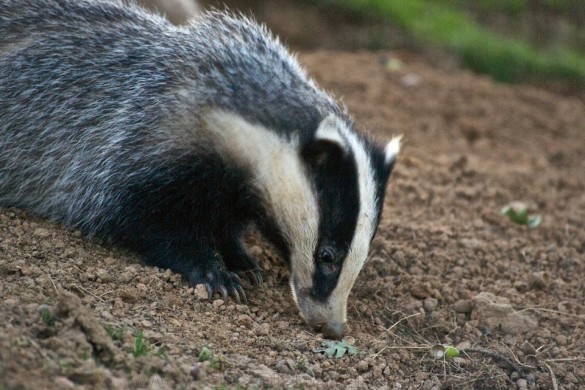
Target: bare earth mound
[[445, 268]]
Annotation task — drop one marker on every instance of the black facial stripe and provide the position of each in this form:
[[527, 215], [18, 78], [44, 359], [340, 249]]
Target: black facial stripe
[[336, 183]]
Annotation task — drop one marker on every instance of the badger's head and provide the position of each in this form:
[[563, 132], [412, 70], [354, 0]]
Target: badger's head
[[322, 195], [348, 175], [321, 183]]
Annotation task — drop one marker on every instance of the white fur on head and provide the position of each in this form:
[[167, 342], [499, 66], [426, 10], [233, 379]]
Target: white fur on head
[[365, 227], [329, 130], [391, 150], [279, 174]]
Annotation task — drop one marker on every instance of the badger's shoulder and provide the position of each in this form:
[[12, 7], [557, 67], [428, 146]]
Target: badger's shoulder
[[241, 67], [51, 14]]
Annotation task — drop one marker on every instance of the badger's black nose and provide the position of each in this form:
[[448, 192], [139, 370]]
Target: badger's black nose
[[333, 330]]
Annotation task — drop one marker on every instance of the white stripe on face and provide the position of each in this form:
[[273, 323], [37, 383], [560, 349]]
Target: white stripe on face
[[279, 175], [366, 223], [364, 230]]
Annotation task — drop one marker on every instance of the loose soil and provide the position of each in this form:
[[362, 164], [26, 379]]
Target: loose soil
[[445, 266]]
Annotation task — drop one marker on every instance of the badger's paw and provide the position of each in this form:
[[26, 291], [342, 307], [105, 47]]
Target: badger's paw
[[244, 265], [219, 281]]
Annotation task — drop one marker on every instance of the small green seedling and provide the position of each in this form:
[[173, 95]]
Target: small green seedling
[[337, 349], [115, 332], [444, 351], [518, 212], [46, 315], [86, 353], [205, 355], [214, 361], [140, 347]]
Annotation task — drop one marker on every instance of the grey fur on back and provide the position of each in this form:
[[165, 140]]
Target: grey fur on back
[[95, 90]]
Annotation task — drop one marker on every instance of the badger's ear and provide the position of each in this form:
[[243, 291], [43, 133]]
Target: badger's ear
[[391, 152], [327, 144]]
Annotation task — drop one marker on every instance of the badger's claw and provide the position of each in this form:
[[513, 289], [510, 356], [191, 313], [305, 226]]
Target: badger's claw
[[257, 274], [239, 292], [224, 292], [225, 283], [254, 276]]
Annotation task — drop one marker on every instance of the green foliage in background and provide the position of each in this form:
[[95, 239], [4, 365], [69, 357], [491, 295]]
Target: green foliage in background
[[443, 23], [517, 6]]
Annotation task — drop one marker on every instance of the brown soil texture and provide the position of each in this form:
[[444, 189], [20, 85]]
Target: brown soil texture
[[445, 266]]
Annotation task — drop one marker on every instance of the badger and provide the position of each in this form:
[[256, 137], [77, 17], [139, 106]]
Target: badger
[[173, 141]]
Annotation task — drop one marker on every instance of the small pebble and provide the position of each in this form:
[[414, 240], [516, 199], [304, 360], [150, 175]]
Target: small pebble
[[539, 280], [244, 320], [218, 303], [362, 366], [463, 306], [196, 371], [200, 292], [430, 304], [522, 384], [63, 383]]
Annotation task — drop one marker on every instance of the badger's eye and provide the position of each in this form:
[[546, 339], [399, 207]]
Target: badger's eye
[[326, 255]]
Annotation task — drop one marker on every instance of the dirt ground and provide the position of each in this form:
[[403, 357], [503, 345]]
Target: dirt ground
[[445, 267]]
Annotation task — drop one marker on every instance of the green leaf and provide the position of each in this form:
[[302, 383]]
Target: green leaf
[[140, 347], [440, 351], [517, 212], [451, 352], [204, 355], [352, 350], [534, 220], [337, 349]]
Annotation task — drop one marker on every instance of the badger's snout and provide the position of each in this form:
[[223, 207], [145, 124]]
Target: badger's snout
[[330, 325], [331, 330], [326, 316]]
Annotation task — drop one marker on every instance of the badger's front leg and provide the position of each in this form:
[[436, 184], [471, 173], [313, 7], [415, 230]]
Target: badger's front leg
[[184, 215], [197, 259], [236, 257]]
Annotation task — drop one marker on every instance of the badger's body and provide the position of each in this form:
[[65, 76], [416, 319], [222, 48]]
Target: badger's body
[[171, 141]]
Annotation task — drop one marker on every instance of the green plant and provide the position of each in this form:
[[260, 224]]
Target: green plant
[[46, 315], [337, 348], [204, 355], [215, 362], [140, 347], [518, 212], [115, 332], [86, 353], [440, 351]]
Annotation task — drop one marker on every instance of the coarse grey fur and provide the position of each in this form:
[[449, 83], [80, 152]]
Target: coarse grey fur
[[176, 11], [167, 140]]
